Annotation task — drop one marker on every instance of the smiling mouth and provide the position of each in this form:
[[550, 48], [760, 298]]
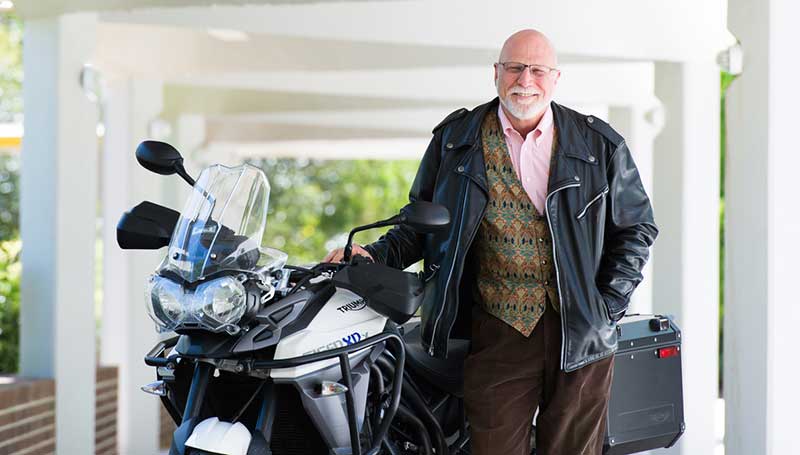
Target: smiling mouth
[[525, 97]]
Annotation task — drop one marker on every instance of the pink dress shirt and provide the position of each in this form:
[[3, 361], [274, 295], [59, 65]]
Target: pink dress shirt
[[531, 155]]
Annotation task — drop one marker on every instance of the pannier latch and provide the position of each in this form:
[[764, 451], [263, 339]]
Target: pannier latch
[[659, 324]]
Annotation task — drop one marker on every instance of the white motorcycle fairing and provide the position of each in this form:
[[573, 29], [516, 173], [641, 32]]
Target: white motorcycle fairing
[[224, 438], [344, 320]]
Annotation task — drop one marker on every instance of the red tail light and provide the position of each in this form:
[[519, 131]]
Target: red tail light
[[669, 351]]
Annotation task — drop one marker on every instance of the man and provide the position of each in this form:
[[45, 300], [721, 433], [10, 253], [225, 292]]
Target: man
[[550, 229]]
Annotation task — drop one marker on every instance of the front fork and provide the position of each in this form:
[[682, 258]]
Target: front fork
[[194, 403]]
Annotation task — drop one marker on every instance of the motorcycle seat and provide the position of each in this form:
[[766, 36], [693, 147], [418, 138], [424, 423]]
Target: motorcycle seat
[[446, 374]]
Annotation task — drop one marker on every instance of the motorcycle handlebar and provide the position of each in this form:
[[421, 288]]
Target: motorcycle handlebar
[[154, 358]]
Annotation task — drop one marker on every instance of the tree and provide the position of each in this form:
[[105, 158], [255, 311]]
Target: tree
[[10, 68], [10, 111], [314, 203], [9, 305]]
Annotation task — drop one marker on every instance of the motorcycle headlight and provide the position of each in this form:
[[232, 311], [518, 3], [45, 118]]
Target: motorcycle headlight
[[223, 301], [163, 300]]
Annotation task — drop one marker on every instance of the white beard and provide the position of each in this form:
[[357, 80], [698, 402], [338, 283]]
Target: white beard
[[521, 111]]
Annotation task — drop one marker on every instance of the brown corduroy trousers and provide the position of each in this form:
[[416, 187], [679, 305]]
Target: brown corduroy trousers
[[507, 376]]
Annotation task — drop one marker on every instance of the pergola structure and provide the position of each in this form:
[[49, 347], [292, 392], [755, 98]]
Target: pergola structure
[[225, 80]]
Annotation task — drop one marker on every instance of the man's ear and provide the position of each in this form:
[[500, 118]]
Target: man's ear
[[495, 74]]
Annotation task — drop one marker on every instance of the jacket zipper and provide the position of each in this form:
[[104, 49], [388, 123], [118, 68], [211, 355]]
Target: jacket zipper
[[452, 267], [583, 212], [558, 279]]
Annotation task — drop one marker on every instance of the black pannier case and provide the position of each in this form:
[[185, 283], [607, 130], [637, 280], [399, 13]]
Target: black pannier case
[[645, 410]]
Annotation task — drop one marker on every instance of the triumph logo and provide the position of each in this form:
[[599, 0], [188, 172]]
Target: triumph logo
[[355, 305]]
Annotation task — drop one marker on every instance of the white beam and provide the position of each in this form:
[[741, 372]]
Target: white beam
[[762, 227], [137, 49], [679, 30], [58, 213], [351, 149], [686, 254], [621, 84], [32, 9], [421, 120], [338, 125]]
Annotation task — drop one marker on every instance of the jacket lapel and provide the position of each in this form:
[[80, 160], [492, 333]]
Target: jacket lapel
[[569, 146]]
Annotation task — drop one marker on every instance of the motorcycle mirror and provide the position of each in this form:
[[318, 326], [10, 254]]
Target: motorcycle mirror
[[424, 216], [421, 216], [147, 226], [162, 158]]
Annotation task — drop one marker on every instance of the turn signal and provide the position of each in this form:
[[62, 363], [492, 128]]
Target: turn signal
[[328, 388], [158, 388]]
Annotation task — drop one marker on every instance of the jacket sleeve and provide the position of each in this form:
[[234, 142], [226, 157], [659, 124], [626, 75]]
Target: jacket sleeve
[[401, 246], [629, 232]]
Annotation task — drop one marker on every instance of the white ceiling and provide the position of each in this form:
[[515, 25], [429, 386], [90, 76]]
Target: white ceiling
[[374, 69]]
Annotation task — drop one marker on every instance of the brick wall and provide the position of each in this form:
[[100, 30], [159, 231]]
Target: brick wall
[[105, 411], [167, 428], [27, 414]]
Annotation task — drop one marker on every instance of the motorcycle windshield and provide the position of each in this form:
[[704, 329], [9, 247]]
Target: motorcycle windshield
[[222, 224]]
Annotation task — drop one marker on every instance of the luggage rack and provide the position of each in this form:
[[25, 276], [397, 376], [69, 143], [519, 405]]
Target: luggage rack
[[155, 358]]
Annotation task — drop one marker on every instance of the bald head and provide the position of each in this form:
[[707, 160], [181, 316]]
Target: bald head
[[529, 46], [526, 78]]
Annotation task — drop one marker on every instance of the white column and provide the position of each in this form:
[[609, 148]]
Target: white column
[[686, 254], [631, 123], [189, 138], [58, 211], [762, 313], [128, 333]]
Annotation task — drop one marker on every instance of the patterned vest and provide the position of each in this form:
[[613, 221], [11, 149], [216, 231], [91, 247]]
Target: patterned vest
[[514, 250]]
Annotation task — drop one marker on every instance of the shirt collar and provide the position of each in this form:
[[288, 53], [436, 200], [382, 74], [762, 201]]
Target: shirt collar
[[545, 125]]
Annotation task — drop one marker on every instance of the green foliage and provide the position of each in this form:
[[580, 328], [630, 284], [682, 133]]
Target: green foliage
[[9, 305], [9, 197], [10, 111], [314, 203], [726, 79], [10, 68]]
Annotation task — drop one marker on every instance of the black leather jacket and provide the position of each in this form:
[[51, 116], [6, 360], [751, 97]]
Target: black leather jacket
[[599, 215]]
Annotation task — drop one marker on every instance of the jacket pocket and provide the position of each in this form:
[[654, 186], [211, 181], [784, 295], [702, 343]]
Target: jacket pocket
[[597, 198]]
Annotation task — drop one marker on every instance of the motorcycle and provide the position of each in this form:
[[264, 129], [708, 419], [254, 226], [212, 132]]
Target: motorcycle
[[278, 359], [272, 358]]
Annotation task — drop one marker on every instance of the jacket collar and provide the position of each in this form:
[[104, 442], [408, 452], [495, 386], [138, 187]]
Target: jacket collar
[[571, 134], [571, 141], [467, 130], [571, 144]]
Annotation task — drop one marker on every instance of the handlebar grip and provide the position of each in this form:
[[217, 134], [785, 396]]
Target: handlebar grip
[[154, 357]]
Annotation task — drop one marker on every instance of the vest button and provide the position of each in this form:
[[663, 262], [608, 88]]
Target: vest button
[[544, 262], [541, 240], [449, 145], [547, 282], [590, 119], [591, 158], [577, 179], [460, 169]]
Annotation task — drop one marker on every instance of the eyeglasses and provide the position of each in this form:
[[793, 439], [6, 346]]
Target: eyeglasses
[[537, 71]]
